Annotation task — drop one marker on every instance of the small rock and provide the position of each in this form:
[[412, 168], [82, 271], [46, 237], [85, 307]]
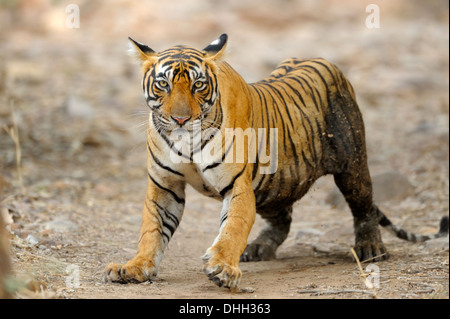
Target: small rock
[[438, 244], [28, 242], [61, 226], [247, 290], [325, 248], [31, 240], [307, 233]]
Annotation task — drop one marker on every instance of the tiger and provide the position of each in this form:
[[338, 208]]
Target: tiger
[[319, 131]]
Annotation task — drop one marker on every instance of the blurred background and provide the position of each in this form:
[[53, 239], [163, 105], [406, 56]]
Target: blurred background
[[74, 89], [73, 119]]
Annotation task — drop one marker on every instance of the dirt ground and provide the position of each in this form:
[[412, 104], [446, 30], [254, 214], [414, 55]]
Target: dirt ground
[[74, 97]]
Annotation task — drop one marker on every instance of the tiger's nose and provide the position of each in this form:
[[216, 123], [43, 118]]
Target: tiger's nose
[[180, 119]]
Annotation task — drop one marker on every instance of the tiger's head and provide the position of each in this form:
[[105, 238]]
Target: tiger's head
[[180, 84]]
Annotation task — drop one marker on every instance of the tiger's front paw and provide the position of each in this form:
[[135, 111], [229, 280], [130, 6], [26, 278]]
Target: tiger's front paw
[[134, 271], [220, 272]]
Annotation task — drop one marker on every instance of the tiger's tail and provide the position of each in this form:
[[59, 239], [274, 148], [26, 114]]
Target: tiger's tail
[[403, 234]]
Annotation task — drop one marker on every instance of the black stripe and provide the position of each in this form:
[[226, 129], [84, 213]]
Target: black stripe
[[216, 124], [277, 108], [344, 110], [164, 224], [291, 98], [223, 156], [192, 63], [313, 80], [294, 153], [304, 117], [299, 95], [167, 63], [268, 117], [261, 104], [384, 221], [144, 79], [159, 228], [293, 148], [305, 159], [157, 161], [223, 218], [178, 199], [256, 189], [169, 227], [230, 186], [151, 98], [312, 94], [402, 234], [150, 76], [255, 167], [172, 147], [171, 216]]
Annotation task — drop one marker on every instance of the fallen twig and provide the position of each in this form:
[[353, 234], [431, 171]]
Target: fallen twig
[[363, 274], [367, 260], [319, 292]]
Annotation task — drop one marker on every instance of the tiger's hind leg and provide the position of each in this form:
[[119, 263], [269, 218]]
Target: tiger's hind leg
[[271, 236], [356, 187], [345, 156]]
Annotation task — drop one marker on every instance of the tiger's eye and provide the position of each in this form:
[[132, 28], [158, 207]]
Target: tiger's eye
[[198, 84], [162, 83]]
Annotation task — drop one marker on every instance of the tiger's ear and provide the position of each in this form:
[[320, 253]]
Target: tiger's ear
[[142, 52], [216, 49]]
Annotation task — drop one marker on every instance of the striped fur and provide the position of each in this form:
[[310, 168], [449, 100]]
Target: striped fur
[[320, 131]]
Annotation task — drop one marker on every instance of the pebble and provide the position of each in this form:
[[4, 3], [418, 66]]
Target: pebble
[[326, 248], [438, 244], [31, 240], [308, 233], [61, 226]]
